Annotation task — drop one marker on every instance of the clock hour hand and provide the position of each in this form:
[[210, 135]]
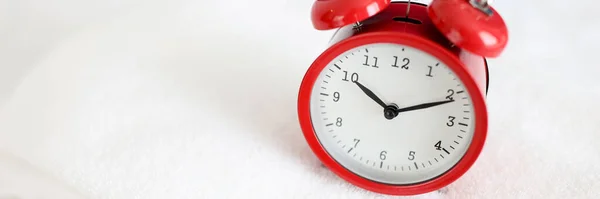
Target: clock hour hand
[[371, 94], [423, 106]]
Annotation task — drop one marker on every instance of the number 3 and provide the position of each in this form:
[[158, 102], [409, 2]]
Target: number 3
[[450, 121]]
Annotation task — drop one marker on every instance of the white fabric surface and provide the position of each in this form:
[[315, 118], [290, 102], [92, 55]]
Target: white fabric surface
[[196, 99]]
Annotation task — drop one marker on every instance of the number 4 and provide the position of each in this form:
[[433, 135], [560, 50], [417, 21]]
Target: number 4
[[438, 145]]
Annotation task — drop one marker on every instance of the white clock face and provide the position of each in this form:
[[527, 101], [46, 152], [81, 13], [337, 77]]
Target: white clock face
[[420, 127]]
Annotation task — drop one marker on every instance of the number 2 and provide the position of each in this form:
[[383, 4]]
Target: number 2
[[450, 94]]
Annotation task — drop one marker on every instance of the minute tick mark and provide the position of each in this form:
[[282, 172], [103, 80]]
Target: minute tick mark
[[456, 142], [446, 151]]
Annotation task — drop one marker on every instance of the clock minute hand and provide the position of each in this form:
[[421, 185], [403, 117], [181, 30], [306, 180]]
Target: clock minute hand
[[371, 94], [423, 106]]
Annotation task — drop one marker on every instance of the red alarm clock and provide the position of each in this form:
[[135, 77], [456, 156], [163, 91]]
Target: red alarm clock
[[396, 105]]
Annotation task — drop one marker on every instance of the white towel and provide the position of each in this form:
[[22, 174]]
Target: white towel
[[197, 99]]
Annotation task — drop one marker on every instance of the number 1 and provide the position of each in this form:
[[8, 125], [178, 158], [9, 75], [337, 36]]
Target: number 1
[[429, 73]]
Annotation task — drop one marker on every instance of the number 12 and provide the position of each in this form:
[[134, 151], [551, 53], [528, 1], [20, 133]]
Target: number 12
[[404, 66]]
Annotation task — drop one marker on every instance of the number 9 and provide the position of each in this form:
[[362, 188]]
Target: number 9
[[336, 96]]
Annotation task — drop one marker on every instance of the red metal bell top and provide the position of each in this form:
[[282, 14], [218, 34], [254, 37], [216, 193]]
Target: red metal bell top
[[330, 14], [469, 27]]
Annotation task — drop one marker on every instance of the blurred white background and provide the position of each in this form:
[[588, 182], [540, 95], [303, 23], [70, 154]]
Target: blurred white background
[[196, 99]]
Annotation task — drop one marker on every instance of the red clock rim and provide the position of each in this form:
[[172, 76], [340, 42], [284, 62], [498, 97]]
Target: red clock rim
[[425, 45]]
